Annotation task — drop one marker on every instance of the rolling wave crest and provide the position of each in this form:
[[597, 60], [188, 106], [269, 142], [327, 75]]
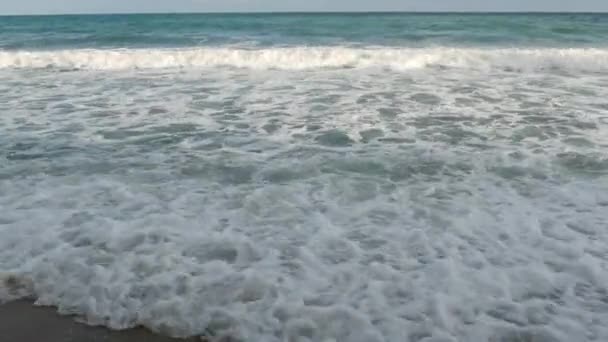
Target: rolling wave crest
[[312, 58]]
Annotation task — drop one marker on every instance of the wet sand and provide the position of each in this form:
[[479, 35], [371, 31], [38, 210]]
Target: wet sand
[[20, 321]]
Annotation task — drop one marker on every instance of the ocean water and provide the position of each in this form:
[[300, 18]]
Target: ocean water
[[309, 177]]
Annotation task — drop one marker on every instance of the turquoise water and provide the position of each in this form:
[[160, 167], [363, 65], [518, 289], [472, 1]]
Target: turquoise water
[[309, 177], [263, 30]]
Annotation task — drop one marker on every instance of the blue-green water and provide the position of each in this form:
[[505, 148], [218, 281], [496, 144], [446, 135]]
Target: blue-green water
[[309, 177], [263, 30]]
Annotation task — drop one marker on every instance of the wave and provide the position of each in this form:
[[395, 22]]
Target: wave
[[577, 59]]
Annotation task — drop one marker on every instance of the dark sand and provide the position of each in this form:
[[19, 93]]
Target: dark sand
[[20, 321]]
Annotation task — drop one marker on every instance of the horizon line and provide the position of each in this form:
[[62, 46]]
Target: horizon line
[[297, 12]]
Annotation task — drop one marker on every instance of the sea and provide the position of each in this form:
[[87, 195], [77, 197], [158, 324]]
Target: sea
[[331, 177]]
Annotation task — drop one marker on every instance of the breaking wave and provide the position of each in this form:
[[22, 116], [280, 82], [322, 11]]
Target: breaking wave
[[575, 59]]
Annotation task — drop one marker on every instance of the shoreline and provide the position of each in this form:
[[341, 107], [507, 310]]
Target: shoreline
[[22, 321]]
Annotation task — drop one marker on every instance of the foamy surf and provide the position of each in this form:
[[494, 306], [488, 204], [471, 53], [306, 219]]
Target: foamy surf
[[432, 178], [295, 58]]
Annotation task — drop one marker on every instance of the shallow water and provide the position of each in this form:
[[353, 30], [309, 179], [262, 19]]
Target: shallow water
[[312, 193]]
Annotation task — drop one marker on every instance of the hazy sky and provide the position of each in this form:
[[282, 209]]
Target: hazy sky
[[114, 6]]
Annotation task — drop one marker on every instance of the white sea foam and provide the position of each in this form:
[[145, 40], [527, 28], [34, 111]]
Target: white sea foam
[[313, 57], [280, 205]]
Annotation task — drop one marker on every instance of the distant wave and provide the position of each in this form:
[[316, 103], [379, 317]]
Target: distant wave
[[312, 57]]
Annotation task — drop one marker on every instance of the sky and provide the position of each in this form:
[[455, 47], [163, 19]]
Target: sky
[[144, 6]]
